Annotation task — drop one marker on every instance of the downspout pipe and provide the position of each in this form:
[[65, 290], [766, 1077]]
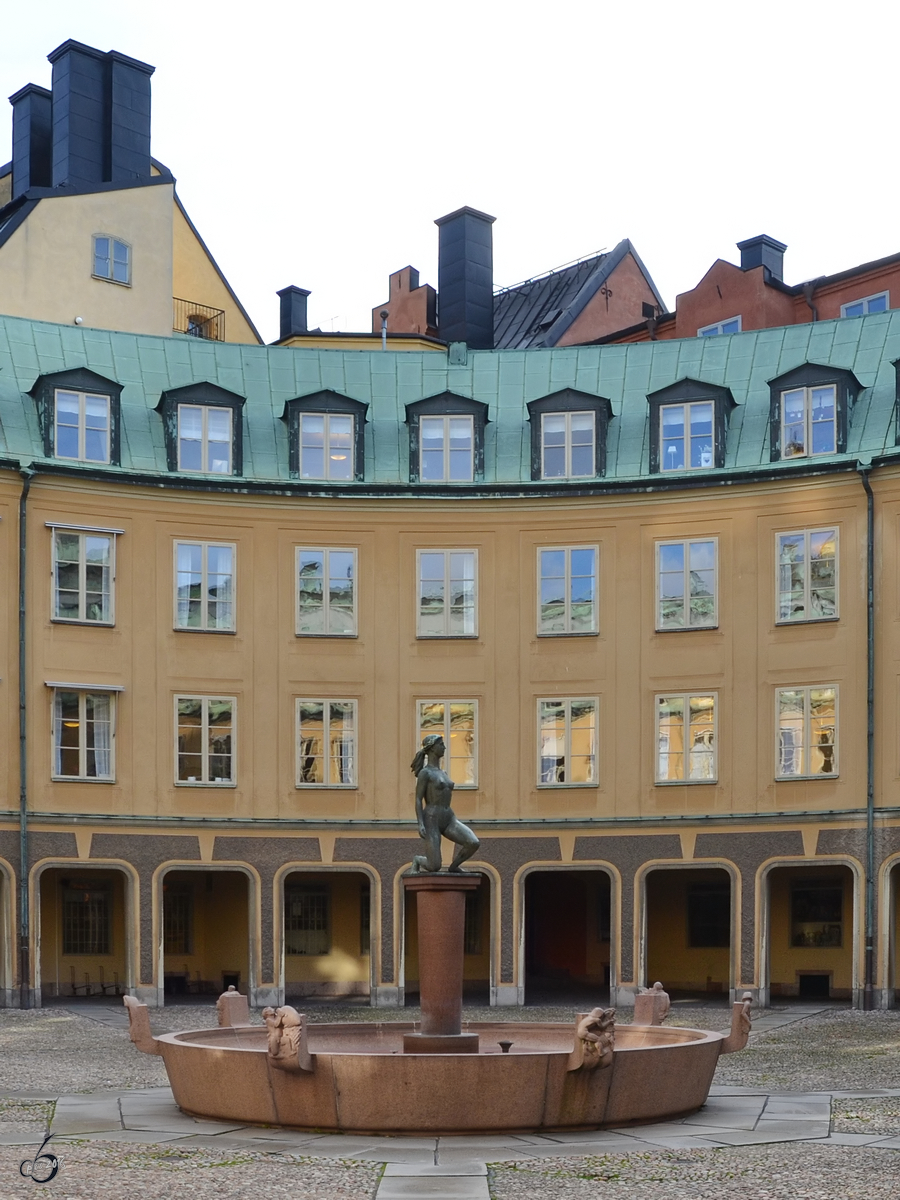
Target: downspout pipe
[[808, 290], [24, 907], [869, 983]]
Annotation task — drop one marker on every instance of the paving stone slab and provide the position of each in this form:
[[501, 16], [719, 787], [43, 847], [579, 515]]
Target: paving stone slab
[[775, 1131], [468, 1187], [417, 1170], [379, 1154]]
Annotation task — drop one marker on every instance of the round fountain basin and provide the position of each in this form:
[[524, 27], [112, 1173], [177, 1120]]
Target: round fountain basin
[[362, 1082]]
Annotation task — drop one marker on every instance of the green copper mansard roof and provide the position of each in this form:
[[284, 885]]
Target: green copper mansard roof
[[504, 380]]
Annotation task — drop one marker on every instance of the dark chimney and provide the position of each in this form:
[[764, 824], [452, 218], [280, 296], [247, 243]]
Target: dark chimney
[[101, 117], [763, 251], [129, 108], [293, 311], [31, 139], [466, 278]]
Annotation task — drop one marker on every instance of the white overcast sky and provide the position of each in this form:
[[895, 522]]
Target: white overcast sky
[[315, 143]]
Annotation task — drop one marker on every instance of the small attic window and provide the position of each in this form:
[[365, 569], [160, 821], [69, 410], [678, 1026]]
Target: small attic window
[[326, 437], [568, 435], [446, 439], [78, 412], [688, 423], [203, 429], [547, 320], [809, 411]]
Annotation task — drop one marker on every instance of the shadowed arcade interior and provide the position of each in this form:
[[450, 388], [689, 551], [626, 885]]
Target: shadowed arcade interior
[[83, 946], [477, 952], [689, 930], [327, 937], [206, 933], [811, 932], [567, 937]]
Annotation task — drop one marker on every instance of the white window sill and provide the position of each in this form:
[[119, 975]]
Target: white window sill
[[806, 621], [326, 787], [106, 279], [564, 786], [197, 783], [82, 779], [686, 628], [350, 636], [685, 782], [77, 621], [806, 778], [580, 633], [193, 629], [446, 637]]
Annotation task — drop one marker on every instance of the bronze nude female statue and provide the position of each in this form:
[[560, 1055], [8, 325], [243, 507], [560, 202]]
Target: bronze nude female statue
[[436, 818]]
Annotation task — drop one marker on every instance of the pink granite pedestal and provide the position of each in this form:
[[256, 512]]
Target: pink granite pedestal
[[441, 904]]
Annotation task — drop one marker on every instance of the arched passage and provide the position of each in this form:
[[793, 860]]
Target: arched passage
[[85, 944], [477, 946], [567, 936], [327, 934], [810, 932], [206, 933], [689, 943]]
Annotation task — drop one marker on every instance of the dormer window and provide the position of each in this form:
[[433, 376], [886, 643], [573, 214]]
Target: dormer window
[[326, 437], [78, 413], [568, 435], [688, 421], [203, 429], [446, 439], [731, 325], [810, 411]]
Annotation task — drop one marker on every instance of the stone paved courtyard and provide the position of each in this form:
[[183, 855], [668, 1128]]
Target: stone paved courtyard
[[777, 1124]]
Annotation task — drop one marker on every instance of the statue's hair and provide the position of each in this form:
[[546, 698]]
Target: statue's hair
[[419, 761]]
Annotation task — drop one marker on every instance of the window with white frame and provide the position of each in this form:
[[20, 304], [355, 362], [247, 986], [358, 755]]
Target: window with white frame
[[731, 325], [204, 585], [807, 584], [112, 259], [83, 734], [446, 449], [447, 600], [307, 920], [686, 738], [568, 440], [83, 575], [687, 436], [204, 740], [809, 421], [567, 590], [456, 722], [567, 750], [326, 446], [204, 439], [326, 592], [81, 426], [807, 732], [326, 743], [686, 584], [880, 302]]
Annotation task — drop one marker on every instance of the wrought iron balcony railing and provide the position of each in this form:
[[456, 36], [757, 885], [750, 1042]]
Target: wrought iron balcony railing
[[198, 320]]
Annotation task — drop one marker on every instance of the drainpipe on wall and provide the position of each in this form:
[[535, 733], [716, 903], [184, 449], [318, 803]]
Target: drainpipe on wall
[[808, 289], [384, 320], [869, 985], [24, 913]]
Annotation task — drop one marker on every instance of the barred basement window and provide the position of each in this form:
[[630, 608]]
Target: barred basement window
[[307, 921], [365, 919], [178, 921], [472, 929], [709, 915], [85, 918]]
